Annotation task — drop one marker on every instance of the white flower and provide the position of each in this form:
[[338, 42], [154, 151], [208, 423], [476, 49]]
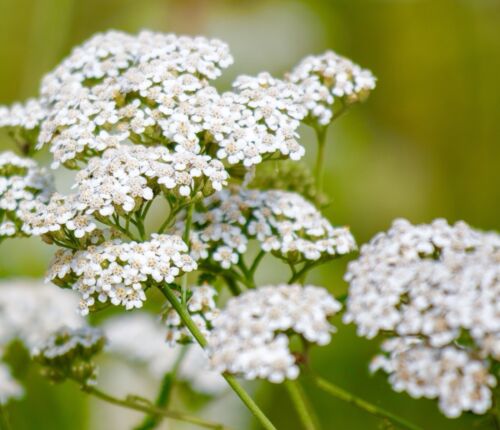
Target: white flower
[[432, 280], [283, 222], [9, 388], [119, 272], [31, 311], [59, 214], [326, 78], [460, 381], [22, 182], [200, 303], [122, 179], [249, 336], [28, 115], [139, 337]]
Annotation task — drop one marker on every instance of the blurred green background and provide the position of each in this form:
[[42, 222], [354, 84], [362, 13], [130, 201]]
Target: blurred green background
[[425, 145]]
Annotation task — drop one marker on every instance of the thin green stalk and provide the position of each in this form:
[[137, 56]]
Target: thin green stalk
[[195, 331], [4, 418], [164, 395], [131, 404], [256, 262], [232, 285], [362, 404], [302, 406], [320, 157]]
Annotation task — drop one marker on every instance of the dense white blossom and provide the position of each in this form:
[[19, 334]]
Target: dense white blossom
[[22, 182], [435, 286], [327, 77], [9, 388], [124, 178], [450, 374], [250, 336], [139, 337], [28, 115], [432, 280], [283, 222], [120, 272], [31, 311], [200, 303], [57, 218]]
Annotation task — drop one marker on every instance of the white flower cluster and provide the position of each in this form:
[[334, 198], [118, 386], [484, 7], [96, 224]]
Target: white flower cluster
[[120, 272], [31, 311], [326, 78], [460, 381], [153, 89], [250, 335], [432, 280], [57, 218], [122, 179], [65, 342], [283, 222], [22, 182], [9, 388], [439, 283], [200, 303], [28, 115], [259, 120], [138, 337]]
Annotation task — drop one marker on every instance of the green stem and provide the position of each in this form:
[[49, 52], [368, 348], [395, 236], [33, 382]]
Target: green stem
[[130, 404], [362, 404], [233, 285], [195, 331], [256, 262], [320, 156], [302, 406], [4, 418]]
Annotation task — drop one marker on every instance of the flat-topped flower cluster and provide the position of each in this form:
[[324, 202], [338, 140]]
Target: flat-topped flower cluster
[[435, 288], [283, 223]]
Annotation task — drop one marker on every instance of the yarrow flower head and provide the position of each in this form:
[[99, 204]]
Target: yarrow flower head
[[141, 338], [68, 353], [123, 179], [439, 283], [10, 389], [250, 337], [460, 380], [329, 77], [283, 222], [120, 272], [201, 305], [22, 182]]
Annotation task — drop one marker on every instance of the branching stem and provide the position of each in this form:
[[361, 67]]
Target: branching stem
[[195, 331]]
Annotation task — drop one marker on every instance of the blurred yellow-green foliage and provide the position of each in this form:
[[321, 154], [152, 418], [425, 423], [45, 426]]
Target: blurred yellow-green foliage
[[425, 145]]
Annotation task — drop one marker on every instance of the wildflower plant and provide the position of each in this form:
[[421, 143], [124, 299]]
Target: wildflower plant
[[140, 120]]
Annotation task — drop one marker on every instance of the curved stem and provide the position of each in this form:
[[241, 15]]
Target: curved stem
[[233, 383], [320, 156], [131, 404], [362, 404], [302, 406]]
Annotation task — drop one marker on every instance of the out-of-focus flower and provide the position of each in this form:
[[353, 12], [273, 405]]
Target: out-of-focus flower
[[139, 337], [10, 389]]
